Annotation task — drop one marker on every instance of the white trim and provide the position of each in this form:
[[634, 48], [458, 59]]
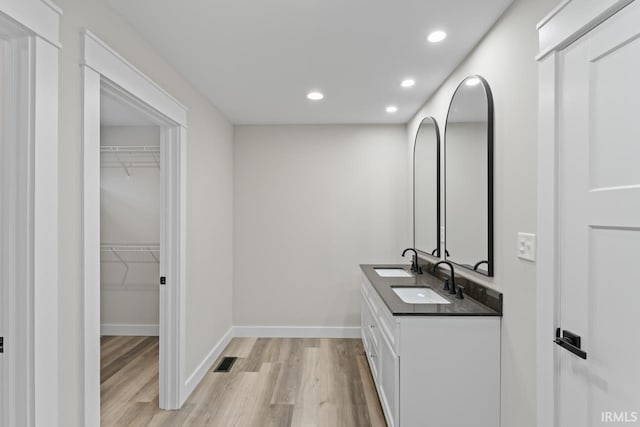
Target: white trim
[[51, 5], [297, 331], [45, 233], [198, 374], [40, 17], [100, 57], [565, 24], [182, 260], [552, 14], [36, 317], [172, 265], [131, 330], [90, 251], [16, 307], [547, 262], [571, 20], [106, 71]]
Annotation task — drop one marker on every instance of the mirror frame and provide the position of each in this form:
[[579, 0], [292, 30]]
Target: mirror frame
[[437, 250], [490, 172]]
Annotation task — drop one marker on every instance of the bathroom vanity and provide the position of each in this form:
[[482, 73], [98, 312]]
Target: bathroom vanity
[[435, 359]]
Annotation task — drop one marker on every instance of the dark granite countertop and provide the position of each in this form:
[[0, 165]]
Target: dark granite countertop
[[491, 300]]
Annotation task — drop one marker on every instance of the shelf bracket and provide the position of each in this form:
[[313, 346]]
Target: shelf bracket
[[124, 166], [126, 267]]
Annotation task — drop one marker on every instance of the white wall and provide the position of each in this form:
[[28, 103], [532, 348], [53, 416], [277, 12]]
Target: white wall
[[311, 203], [129, 214], [505, 57], [209, 198]]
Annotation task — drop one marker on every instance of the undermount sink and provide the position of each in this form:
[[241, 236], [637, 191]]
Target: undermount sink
[[418, 295], [392, 272]]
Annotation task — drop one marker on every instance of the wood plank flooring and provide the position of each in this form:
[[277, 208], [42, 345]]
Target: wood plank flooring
[[276, 382]]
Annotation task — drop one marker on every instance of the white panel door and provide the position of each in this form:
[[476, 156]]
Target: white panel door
[[3, 267], [16, 230], [599, 224], [7, 236]]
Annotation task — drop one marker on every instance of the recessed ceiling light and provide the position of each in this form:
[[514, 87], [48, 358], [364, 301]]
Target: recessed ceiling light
[[408, 83], [315, 96], [437, 36], [472, 81], [392, 109]]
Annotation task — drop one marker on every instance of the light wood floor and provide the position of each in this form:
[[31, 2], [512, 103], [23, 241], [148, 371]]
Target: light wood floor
[[275, 382]]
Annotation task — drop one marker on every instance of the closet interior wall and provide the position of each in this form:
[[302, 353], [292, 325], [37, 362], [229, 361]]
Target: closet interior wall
[[130, 229]]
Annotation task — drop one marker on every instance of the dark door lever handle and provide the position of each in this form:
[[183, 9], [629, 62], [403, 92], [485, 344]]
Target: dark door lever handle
[[570, 341]]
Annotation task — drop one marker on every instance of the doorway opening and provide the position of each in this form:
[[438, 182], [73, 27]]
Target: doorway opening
[[129, 259]]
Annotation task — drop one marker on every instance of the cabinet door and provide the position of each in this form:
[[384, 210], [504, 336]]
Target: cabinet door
[[389, 384], [365, 321], [370, 338]]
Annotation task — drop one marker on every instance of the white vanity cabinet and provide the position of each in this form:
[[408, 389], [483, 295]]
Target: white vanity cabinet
[[381, 354], [439, 371]]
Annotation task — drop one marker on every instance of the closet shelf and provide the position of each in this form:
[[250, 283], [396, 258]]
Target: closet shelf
[[129, 156], [126, 254]]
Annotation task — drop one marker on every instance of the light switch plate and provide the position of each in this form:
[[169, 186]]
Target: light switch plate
[[527, 246]]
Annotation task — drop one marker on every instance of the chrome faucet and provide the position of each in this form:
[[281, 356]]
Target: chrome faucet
[[452, 284], [415, 267]]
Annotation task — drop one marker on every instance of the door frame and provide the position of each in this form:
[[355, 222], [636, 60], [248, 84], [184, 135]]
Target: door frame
[[34, 322], [104, 70], [569, 21]]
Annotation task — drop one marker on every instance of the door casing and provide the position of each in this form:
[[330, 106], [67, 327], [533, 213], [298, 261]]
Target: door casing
[[104, 70], [31, 341]]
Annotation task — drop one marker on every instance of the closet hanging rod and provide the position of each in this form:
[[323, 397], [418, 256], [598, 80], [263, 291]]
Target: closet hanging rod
[[130, 248], [133, 156], [130, 148], [134, 247]]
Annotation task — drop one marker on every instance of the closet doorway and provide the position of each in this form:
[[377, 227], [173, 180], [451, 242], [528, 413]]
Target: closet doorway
[[129, 258], [134, 158]]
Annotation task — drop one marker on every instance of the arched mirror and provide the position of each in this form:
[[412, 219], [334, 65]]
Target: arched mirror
[[426, 188], [468, 148]]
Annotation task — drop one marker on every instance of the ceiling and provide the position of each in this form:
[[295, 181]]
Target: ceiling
[[257, 60]]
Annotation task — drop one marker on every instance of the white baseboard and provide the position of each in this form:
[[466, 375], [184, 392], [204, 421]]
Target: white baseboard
[[203, 367], [297, 331], [130, 330]]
